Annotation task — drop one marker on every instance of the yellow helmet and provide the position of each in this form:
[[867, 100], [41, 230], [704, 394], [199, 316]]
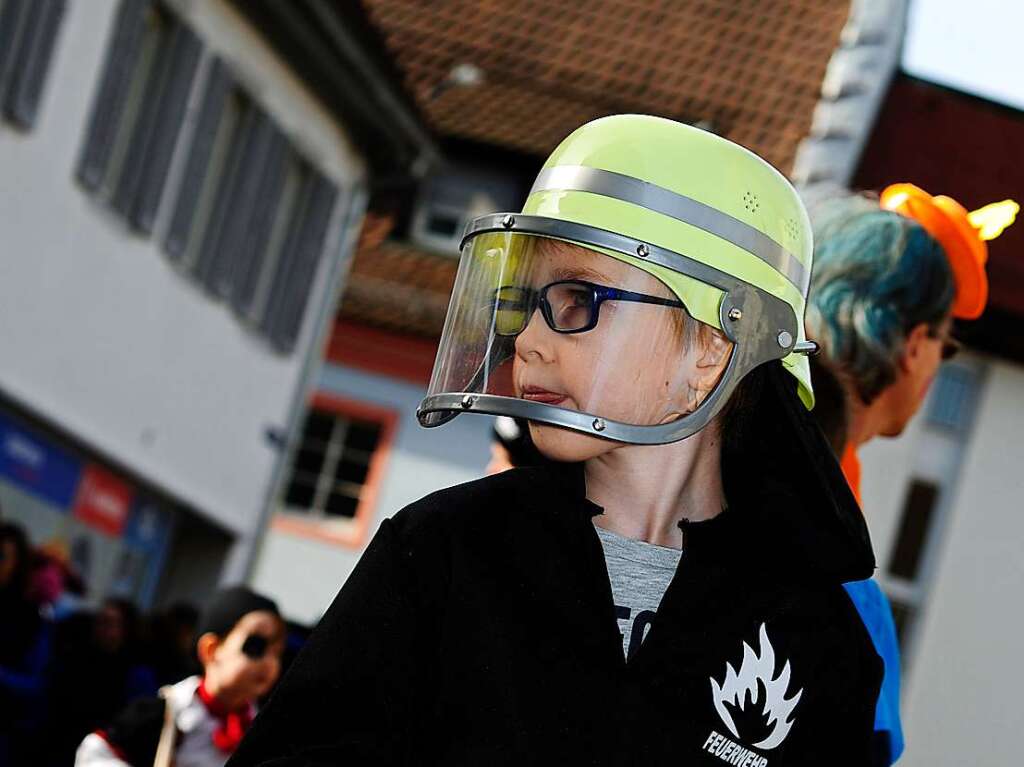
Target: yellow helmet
[[718, 226]]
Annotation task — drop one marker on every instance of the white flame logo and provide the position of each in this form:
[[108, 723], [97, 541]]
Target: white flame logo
[[736, 687]]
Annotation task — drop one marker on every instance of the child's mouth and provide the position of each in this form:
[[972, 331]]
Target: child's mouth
[[537, 394]]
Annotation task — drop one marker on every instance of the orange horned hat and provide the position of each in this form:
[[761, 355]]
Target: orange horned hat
[[961, 234]]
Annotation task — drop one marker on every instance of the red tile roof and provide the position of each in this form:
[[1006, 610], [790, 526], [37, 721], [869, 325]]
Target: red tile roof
[[751, 67], [395, 286]]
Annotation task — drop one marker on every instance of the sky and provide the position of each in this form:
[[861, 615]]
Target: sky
[[974, 46]]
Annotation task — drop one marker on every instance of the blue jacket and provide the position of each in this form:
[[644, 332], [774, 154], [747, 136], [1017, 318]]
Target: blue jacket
[[876, 613]]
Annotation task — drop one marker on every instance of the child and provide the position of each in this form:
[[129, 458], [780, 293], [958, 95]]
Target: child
[[199, 721], [644, 313]]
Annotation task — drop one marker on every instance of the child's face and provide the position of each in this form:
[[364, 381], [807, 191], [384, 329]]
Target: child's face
[[244, 665], [632, 367]]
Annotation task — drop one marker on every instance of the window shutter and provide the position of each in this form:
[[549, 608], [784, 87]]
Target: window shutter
[[225, 249], [207, 264], [35, 51], [218, 85], [130, 176], [142, 182], [297, 267], [109, 102], [13, 14], [252, 255]]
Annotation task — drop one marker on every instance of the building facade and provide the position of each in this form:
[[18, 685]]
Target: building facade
[[177, 209]]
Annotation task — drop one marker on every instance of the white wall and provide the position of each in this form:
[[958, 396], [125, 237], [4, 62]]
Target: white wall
[[963, 705], [886, 466], [99, 333], [305, 574]]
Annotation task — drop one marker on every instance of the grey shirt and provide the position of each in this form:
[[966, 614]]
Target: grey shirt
[[639, 573]]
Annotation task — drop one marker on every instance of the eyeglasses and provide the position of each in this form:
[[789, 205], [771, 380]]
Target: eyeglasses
[[568, 306]]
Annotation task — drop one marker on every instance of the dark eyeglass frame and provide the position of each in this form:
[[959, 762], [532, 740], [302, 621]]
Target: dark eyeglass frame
[[950, 345], [534, 299]]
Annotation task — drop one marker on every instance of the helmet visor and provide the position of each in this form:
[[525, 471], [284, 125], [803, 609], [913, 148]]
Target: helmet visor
[[561, 333]]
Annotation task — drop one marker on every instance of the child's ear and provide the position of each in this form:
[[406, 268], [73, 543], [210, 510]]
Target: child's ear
[[714, 353], [206, 647]]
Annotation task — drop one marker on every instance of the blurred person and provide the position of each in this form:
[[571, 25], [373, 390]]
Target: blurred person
[[890, 277], [642, 314], [25, 646], [511, 446], [97, 669], [199, 721], [54, 584], [172, 642]]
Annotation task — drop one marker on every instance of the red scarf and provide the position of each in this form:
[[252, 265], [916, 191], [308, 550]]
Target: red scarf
[[232, 724]]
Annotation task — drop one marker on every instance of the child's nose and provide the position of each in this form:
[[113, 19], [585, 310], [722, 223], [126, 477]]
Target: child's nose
[[536, 339]]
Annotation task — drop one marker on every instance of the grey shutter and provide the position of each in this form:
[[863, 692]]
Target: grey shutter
[[109, 101], [13, 14], [252, 254], [224, 251], [141, 185], [35, 50], [218, 85], [297, 266], [130, 175], [223, 216]]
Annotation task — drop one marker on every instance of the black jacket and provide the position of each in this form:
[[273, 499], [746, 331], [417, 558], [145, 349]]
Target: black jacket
[[479, 629]]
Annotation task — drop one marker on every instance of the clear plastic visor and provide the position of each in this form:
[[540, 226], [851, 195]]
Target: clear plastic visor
[[570, 330]]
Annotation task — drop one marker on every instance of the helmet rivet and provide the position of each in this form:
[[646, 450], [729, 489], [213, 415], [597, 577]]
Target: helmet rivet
[[598, 424], [785, 339], [468, 401], [642, 250], [509, 221], [735, 314]]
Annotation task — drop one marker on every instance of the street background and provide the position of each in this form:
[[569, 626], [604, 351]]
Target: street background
[[229, 229]]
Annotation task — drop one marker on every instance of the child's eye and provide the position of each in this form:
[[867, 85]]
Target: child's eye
[[580, 298]]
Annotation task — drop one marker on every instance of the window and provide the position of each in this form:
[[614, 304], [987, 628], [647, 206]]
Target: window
[[335, 468], [216, 128], [903, 614], [28, 34], [297, 262], [952, 398], [451, 198], [915, 524], [138, 110], [248, 217]]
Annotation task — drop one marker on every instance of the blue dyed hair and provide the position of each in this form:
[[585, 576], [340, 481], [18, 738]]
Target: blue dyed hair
[[877, 275]]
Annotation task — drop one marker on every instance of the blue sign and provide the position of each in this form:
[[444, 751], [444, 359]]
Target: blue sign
[[148, 527], [147, 534], [37, 466]]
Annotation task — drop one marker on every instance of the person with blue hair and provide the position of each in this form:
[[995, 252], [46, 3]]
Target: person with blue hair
[[890, 275]]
